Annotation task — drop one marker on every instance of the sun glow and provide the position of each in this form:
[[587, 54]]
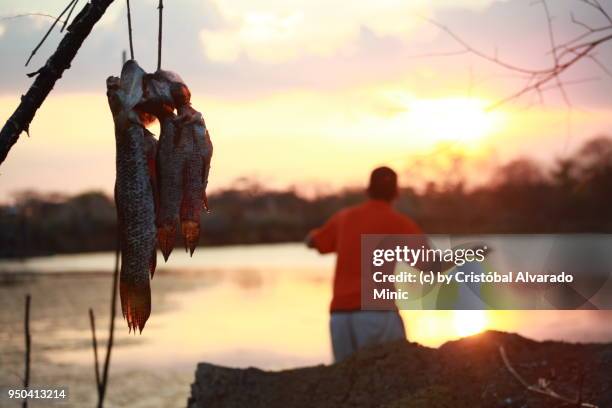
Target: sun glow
[[451, 119], [469, 322]]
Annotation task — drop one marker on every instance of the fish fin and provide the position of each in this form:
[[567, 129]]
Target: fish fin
[[190, 211], [191, 234], [153, 262], [205, 171], [135, 303], [165, 237], [206, 159], [205, 203]]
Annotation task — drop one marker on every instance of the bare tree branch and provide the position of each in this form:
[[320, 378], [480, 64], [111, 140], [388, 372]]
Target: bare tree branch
[[48, 75], [492, 58], [69, 15], [49, 31], [597, 6], [564, 55]]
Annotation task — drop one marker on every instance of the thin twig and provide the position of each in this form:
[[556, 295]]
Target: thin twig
[[597, 62], [588, 28], [572, 82], [69, 15], [111, 334], [49, 32], [552, 73], [28, 343], [542, 388], [597, 6], [493, 58], [553, 47], [94, 344], [159, 36], [31, 15], [129, 19]]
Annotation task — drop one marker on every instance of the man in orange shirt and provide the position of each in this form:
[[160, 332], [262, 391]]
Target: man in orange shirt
[[352, 328]]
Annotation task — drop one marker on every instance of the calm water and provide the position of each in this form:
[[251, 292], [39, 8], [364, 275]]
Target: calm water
[[263, 306]]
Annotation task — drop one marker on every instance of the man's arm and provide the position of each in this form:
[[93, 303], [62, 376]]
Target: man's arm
[[324, 239]]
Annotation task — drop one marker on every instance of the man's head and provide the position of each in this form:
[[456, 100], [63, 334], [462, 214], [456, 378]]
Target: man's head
[[383, 184]]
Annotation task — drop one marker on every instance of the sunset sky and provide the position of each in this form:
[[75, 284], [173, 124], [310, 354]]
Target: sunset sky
[[309, 93]]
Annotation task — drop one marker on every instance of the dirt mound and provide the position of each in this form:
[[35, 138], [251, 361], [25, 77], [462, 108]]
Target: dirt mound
[[465, 373]]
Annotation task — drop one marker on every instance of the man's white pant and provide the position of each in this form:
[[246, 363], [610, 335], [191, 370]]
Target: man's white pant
[[351, 331]]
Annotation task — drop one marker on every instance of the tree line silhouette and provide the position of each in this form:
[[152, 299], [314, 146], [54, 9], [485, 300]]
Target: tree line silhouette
[[571, 196]]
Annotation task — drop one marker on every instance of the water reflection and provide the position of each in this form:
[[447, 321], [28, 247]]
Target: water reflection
[[268, 308]]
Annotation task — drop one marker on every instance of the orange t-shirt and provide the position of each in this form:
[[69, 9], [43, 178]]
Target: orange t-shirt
[[342, 234]]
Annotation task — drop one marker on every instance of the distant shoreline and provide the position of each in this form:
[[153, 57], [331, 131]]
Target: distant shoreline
[[105, 251]]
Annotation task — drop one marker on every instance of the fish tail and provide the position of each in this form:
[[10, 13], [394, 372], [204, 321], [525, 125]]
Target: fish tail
[[191, 233], [135, 303], [165, 236], [191, 205]]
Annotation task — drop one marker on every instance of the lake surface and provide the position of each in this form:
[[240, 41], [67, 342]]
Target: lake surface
[[263, 306]]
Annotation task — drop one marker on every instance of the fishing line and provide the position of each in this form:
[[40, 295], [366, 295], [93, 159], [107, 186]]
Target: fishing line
[[160, 7], [129, 19], [159, 36]]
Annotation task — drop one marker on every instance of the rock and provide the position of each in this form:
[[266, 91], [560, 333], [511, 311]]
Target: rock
[[465, 373]]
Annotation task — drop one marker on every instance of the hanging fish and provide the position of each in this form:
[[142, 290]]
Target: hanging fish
[[157, 101], [197, 152], [196, 167], [183, 159], [134, 197], [169, 159]]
